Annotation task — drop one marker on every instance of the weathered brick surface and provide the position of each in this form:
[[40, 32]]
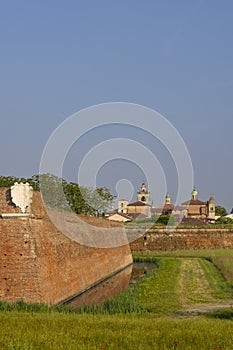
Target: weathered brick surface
[[183, 238], [40, 264]]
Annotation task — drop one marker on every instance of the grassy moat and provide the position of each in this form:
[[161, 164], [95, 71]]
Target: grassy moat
[[185, 302]]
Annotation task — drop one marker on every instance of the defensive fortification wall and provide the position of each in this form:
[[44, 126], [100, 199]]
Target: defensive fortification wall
[[159, 238], [38, 263]]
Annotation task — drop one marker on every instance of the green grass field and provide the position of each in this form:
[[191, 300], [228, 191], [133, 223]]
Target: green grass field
[[184, 303]]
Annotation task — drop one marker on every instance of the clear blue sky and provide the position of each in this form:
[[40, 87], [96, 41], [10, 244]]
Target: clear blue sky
[[176, 57]]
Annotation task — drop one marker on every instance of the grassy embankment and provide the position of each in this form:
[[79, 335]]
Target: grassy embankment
[[158, 313]]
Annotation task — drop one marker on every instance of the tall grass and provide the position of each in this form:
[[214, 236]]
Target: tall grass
[[125, 303]]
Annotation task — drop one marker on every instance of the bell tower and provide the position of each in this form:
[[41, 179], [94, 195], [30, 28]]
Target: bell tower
[[211, 208], [143, 194]]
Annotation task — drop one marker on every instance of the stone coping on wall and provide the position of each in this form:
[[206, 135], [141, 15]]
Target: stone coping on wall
[[15, 215], [168, 229]]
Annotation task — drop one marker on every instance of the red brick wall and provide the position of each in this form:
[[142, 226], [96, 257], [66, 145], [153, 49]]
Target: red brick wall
[[40, 264], [181, 238]]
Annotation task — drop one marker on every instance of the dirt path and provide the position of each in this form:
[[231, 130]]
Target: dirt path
[[204, 308]]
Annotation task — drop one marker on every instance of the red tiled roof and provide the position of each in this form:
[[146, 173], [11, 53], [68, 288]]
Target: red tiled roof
[[166, 207], [157, 209], [180, 207], [137, 204], [194, 202]]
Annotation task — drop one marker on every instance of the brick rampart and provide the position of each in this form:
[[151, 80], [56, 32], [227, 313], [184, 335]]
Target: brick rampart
[[38, 263], [160, 238]]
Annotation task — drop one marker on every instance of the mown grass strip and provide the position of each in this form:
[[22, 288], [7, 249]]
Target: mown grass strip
[[192, 286], [156, 293]]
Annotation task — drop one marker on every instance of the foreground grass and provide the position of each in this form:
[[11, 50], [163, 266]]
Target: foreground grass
[[59, 331]]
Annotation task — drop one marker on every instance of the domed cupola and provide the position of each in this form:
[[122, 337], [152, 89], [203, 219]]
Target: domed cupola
[[194, 194], [168, 199]]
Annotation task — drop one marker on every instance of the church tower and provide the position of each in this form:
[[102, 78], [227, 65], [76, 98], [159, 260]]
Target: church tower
[[211, 208], [143, 194]]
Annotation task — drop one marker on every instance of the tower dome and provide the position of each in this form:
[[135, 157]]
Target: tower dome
[[143, 188], [168, 199], [194, 194]]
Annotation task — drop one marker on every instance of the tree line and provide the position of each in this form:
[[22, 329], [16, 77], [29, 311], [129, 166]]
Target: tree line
[[58, 193]]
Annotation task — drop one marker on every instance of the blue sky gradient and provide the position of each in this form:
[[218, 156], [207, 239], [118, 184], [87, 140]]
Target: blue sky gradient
[[176, 57]]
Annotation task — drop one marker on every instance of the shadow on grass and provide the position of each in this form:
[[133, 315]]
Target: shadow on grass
[[224, 314]]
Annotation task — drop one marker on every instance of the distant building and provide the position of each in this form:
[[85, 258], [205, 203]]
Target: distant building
[[122, 206], [140, 208], [119, 217], [193, 208], [197, 209], [164, 209], [230, 216]]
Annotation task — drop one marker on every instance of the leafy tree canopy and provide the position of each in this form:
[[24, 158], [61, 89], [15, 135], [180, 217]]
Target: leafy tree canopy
[[224, 221], [58, 193], [220, 210]]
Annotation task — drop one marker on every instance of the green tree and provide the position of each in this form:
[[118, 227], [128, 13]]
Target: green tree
[[7, 181], [51, 187], [220, 210], [98, 200], [57, 193], [103, 200], [224, 221], [76, 198], [34, 181]]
